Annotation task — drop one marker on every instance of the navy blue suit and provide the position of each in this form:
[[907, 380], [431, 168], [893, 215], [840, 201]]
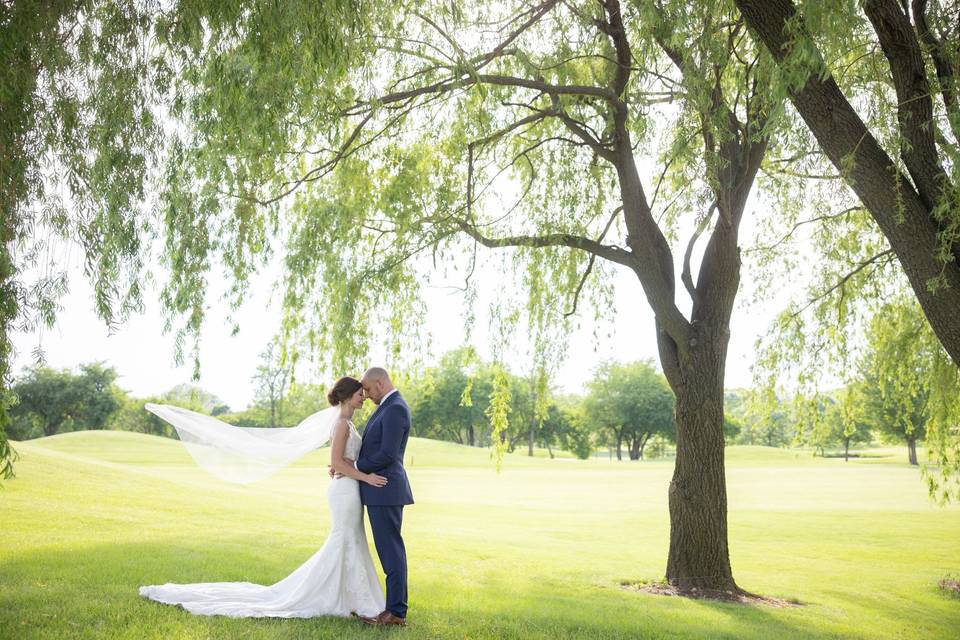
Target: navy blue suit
[[384, 443]]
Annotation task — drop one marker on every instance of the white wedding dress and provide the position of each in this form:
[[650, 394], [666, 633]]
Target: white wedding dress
[[337, 580]]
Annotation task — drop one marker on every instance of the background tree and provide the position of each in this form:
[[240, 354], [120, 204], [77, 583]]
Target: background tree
[[632, 402], [190, 396], [768, 422], [840, 420], [50, 401], [558, 428], [303, 399], [271, 379], [449, 401], [576, 431], [132, 416], [731, 428], [897, 371]]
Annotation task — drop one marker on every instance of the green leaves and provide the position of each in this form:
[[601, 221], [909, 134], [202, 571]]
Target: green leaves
[[498, 411]]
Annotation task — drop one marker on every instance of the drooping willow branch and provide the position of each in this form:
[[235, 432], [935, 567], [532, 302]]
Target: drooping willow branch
[[589, 269], [888, 254]]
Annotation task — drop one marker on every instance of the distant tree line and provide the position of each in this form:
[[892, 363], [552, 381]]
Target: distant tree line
[[628, 406], [627, 411]]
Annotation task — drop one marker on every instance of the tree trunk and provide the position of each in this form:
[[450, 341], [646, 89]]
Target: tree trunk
[[549, 450], [699, 558], [912, 450], [530, 434], [643, 444], [471, 436], [693, 351], [846, 449], [51, 428], [635, 448], [620, 444]]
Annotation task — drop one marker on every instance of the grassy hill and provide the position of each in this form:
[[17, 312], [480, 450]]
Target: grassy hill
[[538, 551]]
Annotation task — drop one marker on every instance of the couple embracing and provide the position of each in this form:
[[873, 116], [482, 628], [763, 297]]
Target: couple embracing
[[366, 471]]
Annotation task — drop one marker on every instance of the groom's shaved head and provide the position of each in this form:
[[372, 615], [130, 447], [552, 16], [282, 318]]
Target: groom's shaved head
[[376, 384], [377, 373]]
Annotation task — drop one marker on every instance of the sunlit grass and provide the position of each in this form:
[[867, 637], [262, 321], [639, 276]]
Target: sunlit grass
[[538, 551]]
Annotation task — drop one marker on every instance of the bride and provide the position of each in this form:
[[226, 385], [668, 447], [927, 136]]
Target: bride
[[339, 579]]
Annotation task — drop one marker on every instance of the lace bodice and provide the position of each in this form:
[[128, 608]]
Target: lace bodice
[[352, 449]]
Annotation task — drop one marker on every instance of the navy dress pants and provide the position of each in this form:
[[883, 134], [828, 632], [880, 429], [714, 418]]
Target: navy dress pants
[[385, 523]]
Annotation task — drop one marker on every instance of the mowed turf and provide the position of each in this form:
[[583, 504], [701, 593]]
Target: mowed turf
[[539, 551]]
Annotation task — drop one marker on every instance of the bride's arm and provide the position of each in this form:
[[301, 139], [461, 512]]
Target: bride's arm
[[343, 466]]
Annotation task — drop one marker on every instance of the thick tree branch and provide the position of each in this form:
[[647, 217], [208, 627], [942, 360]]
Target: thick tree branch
[[583, 281], [496, 135], [451, 84], [578, 130], [535, 16], [614, 28], [914, 105], [650, 249], [685, 275], [605, 251], [945, 74]]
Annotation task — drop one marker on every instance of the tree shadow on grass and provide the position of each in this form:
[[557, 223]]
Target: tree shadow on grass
[[91, 592]]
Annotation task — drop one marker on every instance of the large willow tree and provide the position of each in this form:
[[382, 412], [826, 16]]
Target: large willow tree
[[574, 137]]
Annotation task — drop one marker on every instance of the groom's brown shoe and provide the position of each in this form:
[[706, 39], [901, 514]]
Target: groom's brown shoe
[[386, 618]]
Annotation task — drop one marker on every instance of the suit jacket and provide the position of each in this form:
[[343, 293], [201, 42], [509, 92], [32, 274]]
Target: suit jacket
[[381, 452]]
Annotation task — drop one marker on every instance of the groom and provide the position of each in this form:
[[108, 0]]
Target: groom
[[384, 442]]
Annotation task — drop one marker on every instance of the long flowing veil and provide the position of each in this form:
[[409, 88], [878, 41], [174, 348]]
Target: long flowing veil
[[245, 454]]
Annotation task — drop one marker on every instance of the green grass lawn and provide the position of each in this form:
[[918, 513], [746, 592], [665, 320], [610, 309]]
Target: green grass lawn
[[538, 551]]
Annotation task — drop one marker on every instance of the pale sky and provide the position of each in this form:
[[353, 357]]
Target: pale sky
[[143, 354]]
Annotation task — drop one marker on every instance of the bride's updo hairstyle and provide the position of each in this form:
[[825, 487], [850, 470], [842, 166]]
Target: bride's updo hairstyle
[[343, 389]]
